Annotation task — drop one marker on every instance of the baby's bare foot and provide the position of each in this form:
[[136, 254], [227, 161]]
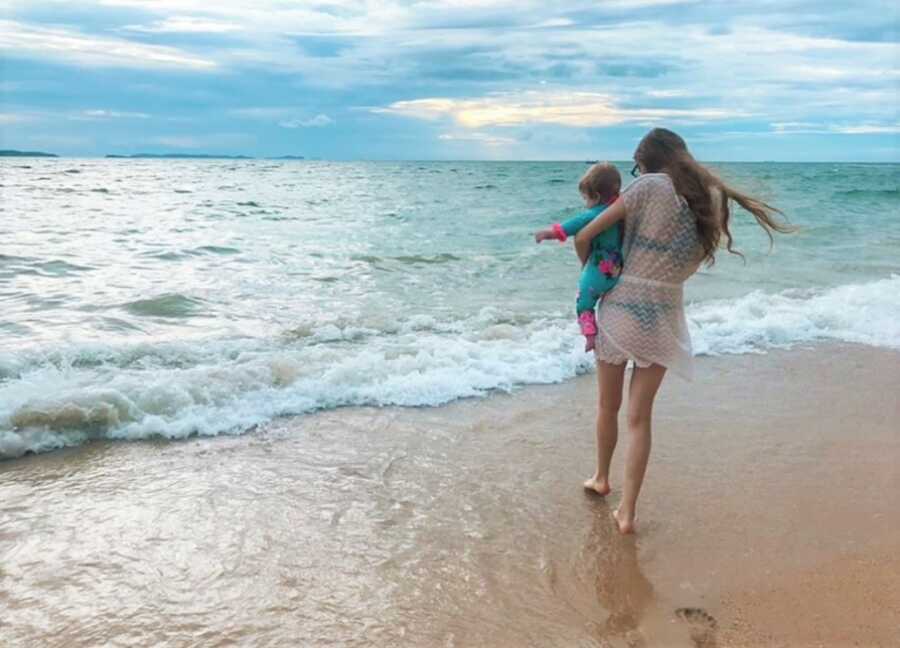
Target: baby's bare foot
[[599, 486], [590, 341], [624, 522]]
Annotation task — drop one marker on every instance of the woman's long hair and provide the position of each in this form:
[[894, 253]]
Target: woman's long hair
[[706, 194]]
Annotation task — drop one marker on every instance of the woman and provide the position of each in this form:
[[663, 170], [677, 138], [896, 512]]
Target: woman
[[676, 214]]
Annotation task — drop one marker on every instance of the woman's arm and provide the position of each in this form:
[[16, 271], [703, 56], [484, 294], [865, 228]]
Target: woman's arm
[[610, 216]]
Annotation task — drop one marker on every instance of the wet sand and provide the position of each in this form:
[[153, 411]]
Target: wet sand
[[769, 517]]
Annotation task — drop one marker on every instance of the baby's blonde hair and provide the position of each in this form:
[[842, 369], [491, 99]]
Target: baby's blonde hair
[[601, 182]]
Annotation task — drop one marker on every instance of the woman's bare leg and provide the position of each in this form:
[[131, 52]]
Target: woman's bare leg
[[610, 381], [645, 383]]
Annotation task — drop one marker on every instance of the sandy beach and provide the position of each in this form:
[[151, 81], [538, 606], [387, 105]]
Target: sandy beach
[[769, 518]]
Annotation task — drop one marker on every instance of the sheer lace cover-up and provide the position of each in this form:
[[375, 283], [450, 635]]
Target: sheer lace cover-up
[[642, 318]]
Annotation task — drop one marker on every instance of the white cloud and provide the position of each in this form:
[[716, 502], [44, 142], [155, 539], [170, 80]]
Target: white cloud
[[639, 4], [865, 129], [670, 93], [810, 128], [111, 114], [71, 46], [15, 118], [576, 109], [481, 138], [555, 22], [37, 115], [185, 25], [787, 126], [284, 116], [315, 122], [211, 141]]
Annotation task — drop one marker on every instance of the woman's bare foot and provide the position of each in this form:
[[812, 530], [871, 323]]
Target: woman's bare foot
[[599, 486], [624, 522]]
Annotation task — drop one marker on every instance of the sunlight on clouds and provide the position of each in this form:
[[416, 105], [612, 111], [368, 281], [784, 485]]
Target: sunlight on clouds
[[576, 109], [73, 47]]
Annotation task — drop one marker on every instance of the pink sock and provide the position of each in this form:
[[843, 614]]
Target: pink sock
[[587, 323]]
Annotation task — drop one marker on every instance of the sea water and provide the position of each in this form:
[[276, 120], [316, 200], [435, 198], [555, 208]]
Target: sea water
[[163, 298]]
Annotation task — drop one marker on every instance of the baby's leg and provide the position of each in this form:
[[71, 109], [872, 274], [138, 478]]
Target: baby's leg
[[588, 295]]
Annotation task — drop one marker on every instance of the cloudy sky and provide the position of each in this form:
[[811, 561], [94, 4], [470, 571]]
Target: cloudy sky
[[452, 79]]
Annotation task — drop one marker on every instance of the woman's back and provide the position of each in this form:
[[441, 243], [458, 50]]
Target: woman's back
[[661, 242], [642, 318]]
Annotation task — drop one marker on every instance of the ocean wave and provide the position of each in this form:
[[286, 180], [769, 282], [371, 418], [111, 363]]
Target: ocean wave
[[216, 249], [46, 405], [413, 259], [869, 193], [67, 396], [862, 313], [35, 266], [167, 305]]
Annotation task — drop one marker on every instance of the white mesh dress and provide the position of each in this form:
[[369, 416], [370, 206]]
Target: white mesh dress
[[642, 318]]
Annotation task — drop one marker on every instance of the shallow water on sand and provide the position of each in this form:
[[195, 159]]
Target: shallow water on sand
[[455, 526], [276, 541]]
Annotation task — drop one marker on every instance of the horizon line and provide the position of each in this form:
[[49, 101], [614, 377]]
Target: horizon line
[[240, 157]]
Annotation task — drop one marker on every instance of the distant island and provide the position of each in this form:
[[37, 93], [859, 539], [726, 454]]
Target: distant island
[[196, 156], [182, 156], [164, 156], [14, 153]]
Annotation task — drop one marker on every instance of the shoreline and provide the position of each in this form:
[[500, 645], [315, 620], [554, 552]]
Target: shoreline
[[766, 506]]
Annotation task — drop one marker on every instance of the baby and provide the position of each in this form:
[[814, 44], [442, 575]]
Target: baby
[[599, 188]]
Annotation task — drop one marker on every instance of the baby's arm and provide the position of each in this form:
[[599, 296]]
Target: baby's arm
[[562, 231]]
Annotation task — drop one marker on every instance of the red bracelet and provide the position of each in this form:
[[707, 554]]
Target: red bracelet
[[560, 232]]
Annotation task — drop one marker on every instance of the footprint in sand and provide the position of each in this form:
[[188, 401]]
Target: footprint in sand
[[702, 626]]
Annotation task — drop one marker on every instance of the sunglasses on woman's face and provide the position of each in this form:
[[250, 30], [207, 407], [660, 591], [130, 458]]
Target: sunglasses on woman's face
[[635, 171]]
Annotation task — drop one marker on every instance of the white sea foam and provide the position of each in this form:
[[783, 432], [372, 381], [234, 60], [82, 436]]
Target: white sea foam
[[226, 387], [173, 390], [863, 313]]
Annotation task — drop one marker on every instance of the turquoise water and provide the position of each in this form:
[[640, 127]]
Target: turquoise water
[[168, 298]]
